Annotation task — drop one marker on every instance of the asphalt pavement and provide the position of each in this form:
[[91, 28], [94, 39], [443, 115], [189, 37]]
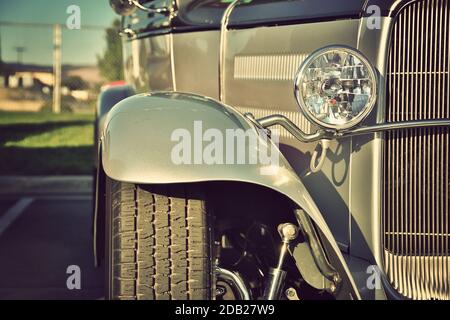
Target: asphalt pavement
[[45, 239]]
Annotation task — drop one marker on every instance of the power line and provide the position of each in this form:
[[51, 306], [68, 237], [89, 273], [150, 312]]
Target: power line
[[47, 25]]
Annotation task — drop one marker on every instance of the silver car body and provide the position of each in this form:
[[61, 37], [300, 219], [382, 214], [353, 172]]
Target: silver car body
[[236, 70]]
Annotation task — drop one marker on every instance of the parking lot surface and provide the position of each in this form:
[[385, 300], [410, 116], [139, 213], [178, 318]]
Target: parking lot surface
[[44, 231]]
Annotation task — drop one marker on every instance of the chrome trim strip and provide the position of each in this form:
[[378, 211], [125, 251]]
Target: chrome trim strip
[[223, 29], [397, 126], [278, 119], [150, 10], [172, 63], [296, 117]]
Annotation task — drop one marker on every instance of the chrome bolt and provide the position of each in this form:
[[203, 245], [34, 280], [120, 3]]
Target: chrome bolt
[[291, 294], [288, 231], [220, 291], [333, 288], [336, 279]]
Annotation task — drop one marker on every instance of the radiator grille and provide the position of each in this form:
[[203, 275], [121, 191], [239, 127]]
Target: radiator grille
[[416, 193]]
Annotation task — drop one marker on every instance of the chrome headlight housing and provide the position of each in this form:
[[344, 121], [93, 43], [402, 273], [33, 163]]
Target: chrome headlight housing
[[336, 87]]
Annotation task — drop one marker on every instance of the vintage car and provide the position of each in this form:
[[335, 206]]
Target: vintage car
[[277, 149]]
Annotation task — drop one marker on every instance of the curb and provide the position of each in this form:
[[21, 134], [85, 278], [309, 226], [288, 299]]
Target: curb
[[42, 185]]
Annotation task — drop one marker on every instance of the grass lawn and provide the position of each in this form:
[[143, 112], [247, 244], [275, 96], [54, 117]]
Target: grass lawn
[[45, 143]]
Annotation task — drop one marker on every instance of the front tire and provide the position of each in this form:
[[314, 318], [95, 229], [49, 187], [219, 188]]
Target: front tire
[[158, 242]]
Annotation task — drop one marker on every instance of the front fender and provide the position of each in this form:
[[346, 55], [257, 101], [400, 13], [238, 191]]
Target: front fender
[[138, 147]]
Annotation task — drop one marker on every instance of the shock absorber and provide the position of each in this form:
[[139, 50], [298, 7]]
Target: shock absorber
[[276, 276]]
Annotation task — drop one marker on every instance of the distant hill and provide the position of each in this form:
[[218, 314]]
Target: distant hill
[[19, 67], [88, 73]]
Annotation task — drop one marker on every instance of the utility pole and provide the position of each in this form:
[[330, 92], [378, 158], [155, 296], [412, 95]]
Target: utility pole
[[1, 47], [20, 51], [56, 68]]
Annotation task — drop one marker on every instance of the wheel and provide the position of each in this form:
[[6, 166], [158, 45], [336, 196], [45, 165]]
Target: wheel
[[158, 242]]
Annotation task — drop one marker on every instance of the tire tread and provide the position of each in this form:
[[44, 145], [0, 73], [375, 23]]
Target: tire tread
[[161, 247]]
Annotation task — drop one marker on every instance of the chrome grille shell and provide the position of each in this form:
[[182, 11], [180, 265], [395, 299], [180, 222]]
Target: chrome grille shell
[[416, 167]]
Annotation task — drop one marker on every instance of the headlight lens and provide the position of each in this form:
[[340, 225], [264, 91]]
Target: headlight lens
[[336, 87]]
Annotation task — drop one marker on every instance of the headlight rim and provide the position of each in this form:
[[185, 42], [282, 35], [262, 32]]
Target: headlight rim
[[367, 109]]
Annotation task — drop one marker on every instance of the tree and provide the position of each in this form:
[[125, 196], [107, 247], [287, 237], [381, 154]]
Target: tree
[[110, 62]]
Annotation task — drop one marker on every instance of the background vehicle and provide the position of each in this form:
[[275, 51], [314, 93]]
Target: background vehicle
[[378, 206]]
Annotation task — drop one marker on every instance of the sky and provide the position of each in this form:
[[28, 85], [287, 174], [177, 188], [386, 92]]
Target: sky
[[78, 46]]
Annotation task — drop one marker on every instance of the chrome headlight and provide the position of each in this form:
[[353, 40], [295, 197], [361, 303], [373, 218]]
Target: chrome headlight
[[336, 87]]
